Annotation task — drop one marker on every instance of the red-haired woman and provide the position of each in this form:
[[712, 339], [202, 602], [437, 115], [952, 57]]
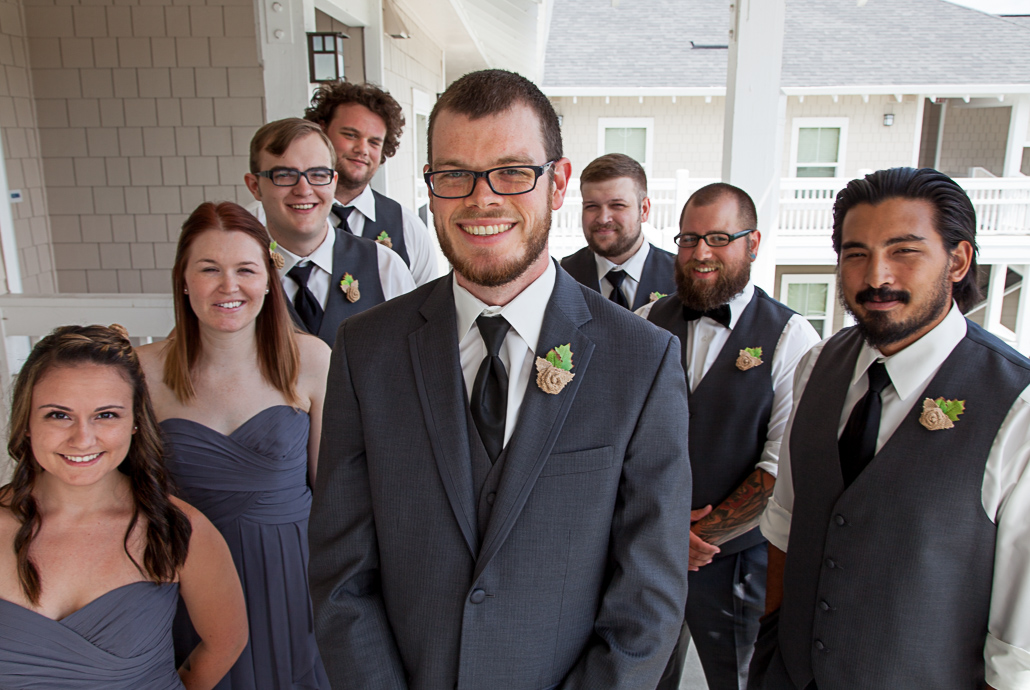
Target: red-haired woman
[[239, 394]]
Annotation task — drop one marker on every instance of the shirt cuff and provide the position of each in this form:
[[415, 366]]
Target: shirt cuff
[[775, 524], [1006, 667]]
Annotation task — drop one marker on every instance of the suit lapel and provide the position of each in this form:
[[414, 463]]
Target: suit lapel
[[541, 416], [334, 301], [441, 391], [583, 268], [648, 280]]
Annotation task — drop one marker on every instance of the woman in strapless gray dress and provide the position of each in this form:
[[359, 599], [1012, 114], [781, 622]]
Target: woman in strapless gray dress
[[239, 394], [96, 550]]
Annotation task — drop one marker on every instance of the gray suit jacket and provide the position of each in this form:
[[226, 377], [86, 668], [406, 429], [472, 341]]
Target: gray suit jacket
[[580, 577]]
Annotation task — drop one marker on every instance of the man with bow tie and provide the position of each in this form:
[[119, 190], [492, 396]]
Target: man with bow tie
[[740, 348]]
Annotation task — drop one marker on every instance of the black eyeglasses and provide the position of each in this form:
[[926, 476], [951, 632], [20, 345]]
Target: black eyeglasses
[[506, 181], [712, 239], [289, 177]]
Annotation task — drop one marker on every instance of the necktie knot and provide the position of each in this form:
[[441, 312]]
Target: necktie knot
[[341, 213], [493, 329], [300, 273], [615, 277], [878, 377]]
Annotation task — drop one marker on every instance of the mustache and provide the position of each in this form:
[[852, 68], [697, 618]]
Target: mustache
[[694, 263], [882, 294], [485, 215]]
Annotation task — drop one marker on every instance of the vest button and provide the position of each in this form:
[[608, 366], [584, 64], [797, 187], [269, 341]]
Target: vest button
[[478, 596], [490, 497], [823, 605], [840, 520], [820, 646], [830, 563]]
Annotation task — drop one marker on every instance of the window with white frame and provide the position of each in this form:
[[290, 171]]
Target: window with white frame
[[817, 146], [633, 136], [813, 296]]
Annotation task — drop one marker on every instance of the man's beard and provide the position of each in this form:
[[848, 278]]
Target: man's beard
[[495, 276], [622, 244], [346, 181], [701, 296], [879, 329]]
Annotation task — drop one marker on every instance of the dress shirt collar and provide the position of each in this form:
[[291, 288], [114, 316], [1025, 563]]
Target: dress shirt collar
[[321, 257], [739, 303], [364, 202], [633, 266], [525, 313], [911, 368]]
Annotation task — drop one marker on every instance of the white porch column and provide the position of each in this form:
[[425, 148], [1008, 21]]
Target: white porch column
[[283, 50], [752, 146], [1023, 313], [995, 297], [1019, 123]]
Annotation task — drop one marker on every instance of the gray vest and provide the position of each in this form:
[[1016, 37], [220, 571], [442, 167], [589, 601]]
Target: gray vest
[[389, 219], [486, 475], [729, 408], [359, 257], [888, 582]]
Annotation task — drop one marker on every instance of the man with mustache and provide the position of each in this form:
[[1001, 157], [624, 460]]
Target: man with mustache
[[739, 407], [365, 125], [900, 520], [617, 261], [502, 499]]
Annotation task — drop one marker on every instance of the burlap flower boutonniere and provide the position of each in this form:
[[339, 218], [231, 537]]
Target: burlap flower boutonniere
[[940, 413], [350, 288], [655, 296], [749, 358], [278, 260], [553, 373], [384, 240]]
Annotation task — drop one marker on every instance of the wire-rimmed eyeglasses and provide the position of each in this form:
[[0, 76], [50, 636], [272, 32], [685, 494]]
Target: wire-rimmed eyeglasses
[[289, 177], [507, 180], [712, 239]]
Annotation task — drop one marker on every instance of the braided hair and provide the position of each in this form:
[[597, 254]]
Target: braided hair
[[168, 529]]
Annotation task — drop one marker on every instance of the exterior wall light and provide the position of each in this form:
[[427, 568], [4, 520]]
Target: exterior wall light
[[888, 119], [325, 55]]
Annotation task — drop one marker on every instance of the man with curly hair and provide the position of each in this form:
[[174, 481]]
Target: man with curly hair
[[365, 125]]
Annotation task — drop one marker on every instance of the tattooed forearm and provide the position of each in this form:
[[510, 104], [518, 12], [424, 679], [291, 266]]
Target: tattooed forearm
[[739, 512]]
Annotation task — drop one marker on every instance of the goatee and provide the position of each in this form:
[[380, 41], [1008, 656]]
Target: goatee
[[700, 295], [500, 274], [879, 328]]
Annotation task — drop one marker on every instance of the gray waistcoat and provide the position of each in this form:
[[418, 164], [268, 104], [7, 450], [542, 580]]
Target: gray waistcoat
[[888, 583], [729, 408], [389, 219], [486, 475]]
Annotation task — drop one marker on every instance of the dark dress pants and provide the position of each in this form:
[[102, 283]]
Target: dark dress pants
[[725, 600]]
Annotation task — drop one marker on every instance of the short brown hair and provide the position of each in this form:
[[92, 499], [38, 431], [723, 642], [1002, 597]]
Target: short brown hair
[[747, 215], [276, 137], [612, 166], [492, 91], [333, 94], [277, 352]]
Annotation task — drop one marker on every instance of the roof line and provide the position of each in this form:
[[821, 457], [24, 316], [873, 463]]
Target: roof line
[[941, 90]]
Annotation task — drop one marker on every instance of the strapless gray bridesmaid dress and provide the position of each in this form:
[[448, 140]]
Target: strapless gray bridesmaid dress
[[252, 484], [121, 640]]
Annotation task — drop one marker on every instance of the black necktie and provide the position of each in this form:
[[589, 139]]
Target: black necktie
[[341, 213], [857, 444], [615, 277], [720, 314], [490, 392], [308, 308]]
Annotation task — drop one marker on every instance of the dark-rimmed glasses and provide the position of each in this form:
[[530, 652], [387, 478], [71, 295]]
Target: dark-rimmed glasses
[[507, 180], [289, 177], [712, 239]]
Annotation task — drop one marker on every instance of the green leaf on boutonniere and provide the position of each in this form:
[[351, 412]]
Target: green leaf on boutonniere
[[754, 351], [347, 280], [561, 357], [382, 237], [952, 408]]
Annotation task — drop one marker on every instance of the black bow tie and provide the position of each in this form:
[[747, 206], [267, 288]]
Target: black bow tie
[[720, 314]]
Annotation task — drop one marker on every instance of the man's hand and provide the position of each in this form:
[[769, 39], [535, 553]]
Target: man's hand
[[701, 552]]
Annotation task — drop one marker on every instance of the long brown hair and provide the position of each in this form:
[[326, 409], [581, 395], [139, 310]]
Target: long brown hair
[[168, 529], [277, 352]]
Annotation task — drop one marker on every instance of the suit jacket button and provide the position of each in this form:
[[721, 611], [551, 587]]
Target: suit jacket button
[[820, 646], [824, 606], [490, 497], [478, 596], [840, 520], [830, 563]]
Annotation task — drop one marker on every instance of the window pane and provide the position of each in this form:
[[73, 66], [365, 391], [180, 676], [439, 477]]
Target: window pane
[[829, 140], [812, 171], [818, 144], [325, 66], [631, 141], [808, 299]]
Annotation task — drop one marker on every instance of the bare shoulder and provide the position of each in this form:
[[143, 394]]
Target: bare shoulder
[[152, 359], [203, 531], [314, 355]]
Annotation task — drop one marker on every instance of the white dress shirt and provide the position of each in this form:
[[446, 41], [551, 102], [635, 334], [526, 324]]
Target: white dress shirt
[[705, 341], [525, 313], [633, 268], [416, 236], [1005, 495], [393, 273]]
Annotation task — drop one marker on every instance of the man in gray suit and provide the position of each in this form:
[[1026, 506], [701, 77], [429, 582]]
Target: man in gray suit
[[503, 495]]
